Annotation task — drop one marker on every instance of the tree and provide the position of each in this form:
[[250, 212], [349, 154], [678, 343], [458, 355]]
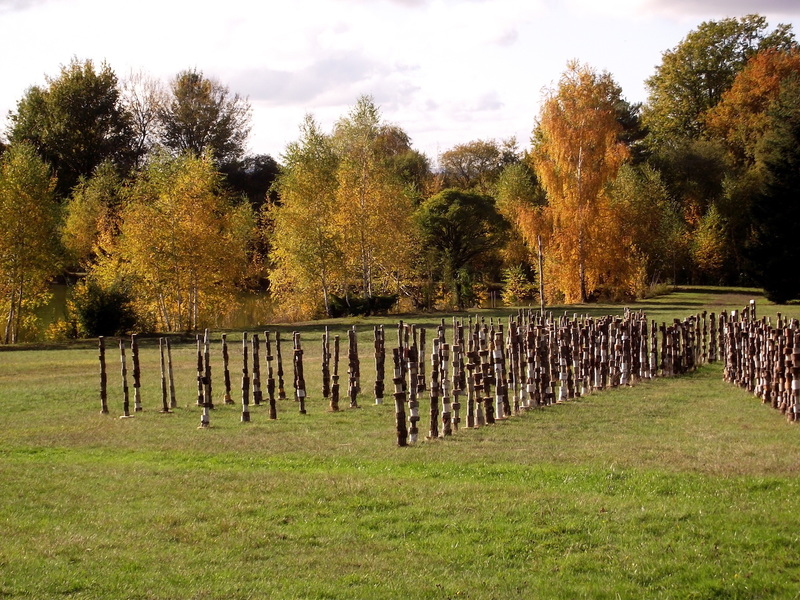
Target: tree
[[142, 96], [28, 252], [472, 166], [183, 247], [306, 244], [76, 122], [775, 212], [373, 206], [693, 76], [740, 118], [200, 115], [252, 176], [576, 152], [460, 227], [92, 216], [653, 233]]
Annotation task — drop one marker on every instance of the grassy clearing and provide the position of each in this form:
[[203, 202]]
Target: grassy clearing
[[672, 489]]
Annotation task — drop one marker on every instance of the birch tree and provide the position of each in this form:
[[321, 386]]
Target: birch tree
[[28, 252], [576, 152], [306, 242]]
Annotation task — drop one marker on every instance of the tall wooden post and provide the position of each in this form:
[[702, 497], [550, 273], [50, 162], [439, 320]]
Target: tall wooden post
[[207, 393], [226, 371], [353, 370], [257, 396], [245, 381], [101, 347], [399, 400], [164, 398], [326, 365], [173, 399], [335, 377], [126, 407], [299, 378], [380, 358], [413, 399], [278, 357], [433, 433], [444, 383], [273, 408], [137, 374]]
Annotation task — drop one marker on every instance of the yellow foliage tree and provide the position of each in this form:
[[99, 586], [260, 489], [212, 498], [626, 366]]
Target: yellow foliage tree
[[576, 152], [373, 215], [28, 252], [183, 246], [306, 244]]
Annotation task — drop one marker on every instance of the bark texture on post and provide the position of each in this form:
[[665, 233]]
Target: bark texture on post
[[101, 348]]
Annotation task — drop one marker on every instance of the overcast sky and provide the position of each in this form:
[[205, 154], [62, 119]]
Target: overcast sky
[[446, 71]]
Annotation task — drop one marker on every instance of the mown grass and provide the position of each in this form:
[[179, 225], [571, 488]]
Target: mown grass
[[678, 488]]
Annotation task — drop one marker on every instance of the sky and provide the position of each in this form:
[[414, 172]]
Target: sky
[[446, 71]]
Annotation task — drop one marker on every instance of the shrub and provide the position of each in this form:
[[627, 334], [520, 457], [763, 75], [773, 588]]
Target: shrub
[[101, 311]]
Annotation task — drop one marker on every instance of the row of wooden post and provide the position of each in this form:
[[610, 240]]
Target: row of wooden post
[[500, 370], [251, 378], [537, 360], [764, 358]]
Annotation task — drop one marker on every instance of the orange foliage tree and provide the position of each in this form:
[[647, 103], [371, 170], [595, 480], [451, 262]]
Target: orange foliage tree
[[576, 152]]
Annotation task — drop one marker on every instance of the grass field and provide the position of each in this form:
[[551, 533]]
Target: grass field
[[675, 488]]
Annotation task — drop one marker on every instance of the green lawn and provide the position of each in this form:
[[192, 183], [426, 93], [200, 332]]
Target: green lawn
[[675, 488]]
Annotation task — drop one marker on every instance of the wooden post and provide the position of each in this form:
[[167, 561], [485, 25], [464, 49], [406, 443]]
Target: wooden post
[[326, 365], [444, 382], [281, 388], [198, 342], [433, 432], [164, 399], [413, 400], [273, 408], [208, 397], [399, 400], [225, 371], [299, 378], [353, 371], [471, 363], [380, 369], [257, 395], [335, 383], [245, 381], [137, 374], [173, 399], [101, 347], [126, 409]]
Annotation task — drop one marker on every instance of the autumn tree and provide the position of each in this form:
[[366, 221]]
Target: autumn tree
[[576, 152], [200, 115], [460, 228], [373, 206], [306, 243], [183, 246], [91, 216], [143, 96], [28, 252], [775, 211], [693, 76], [76, 122]]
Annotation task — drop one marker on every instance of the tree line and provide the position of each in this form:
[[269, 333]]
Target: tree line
[[144, 193]]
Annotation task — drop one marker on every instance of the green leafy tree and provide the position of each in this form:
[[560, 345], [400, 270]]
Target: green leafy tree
[[693, 76], [460, 228], [29, 255], [473, 166], [76, 122], [775, 212], [200, 115]]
